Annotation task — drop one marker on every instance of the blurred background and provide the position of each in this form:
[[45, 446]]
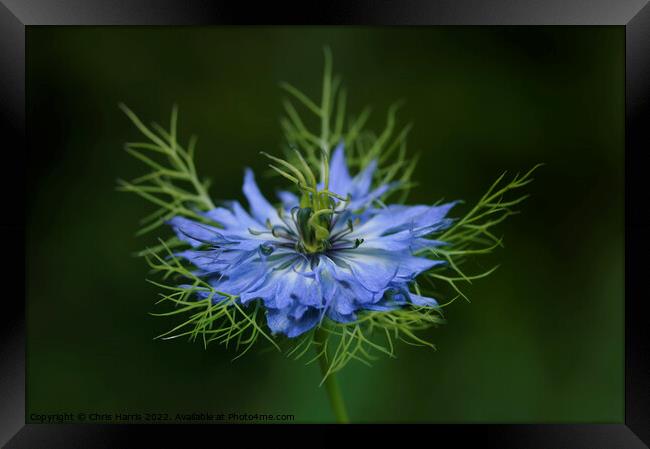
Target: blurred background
[[542, 339]]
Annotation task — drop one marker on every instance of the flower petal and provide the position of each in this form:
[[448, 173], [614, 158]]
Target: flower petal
[[340, 181], [422, 300], [193, 232], [285, 321], [373, 268], [362, 182], [260, 208], [289, 199]]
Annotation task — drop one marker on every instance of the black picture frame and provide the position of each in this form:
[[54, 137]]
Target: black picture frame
[[634, 15]]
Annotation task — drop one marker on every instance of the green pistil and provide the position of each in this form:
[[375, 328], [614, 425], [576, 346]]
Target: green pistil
[[314, 228], [314, 217]]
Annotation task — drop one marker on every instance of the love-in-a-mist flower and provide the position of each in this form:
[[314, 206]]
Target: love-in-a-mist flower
[[333, 251], [330, 266]]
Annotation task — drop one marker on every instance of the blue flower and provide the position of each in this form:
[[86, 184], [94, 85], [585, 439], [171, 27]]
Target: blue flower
[[306, 263]]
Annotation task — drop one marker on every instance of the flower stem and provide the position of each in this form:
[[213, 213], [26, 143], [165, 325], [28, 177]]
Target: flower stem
[[331, 383]]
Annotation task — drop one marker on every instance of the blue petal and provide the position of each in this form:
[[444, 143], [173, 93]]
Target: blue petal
[[242, 277], [289, 200], [345, 284], [233, 217], [373, 268], [366, 201], [339, 317], [340, 181], [286, 286], [418, 244], [393, 298], [193, 232], [435, 214], [397, 218], [205, 261], [422, 300], [260, 208], [222, 216], [264, 291], [411, 266], [285, 322], [362, 182]]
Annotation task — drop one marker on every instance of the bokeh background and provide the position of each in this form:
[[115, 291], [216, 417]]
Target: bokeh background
[[542, 340]]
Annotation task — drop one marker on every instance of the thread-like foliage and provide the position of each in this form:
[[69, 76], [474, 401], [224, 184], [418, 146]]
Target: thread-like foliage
[[215, 316], [328, 123]]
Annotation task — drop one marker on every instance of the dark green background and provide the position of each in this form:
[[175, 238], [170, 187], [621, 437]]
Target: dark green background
[[542, 340]]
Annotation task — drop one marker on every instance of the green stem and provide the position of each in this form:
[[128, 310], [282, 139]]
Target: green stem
[[331, 383]]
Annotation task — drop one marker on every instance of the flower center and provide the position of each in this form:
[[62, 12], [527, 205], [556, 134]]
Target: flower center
[[314, 228]]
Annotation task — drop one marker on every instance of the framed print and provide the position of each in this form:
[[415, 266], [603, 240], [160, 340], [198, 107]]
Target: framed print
[[369, 213]]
